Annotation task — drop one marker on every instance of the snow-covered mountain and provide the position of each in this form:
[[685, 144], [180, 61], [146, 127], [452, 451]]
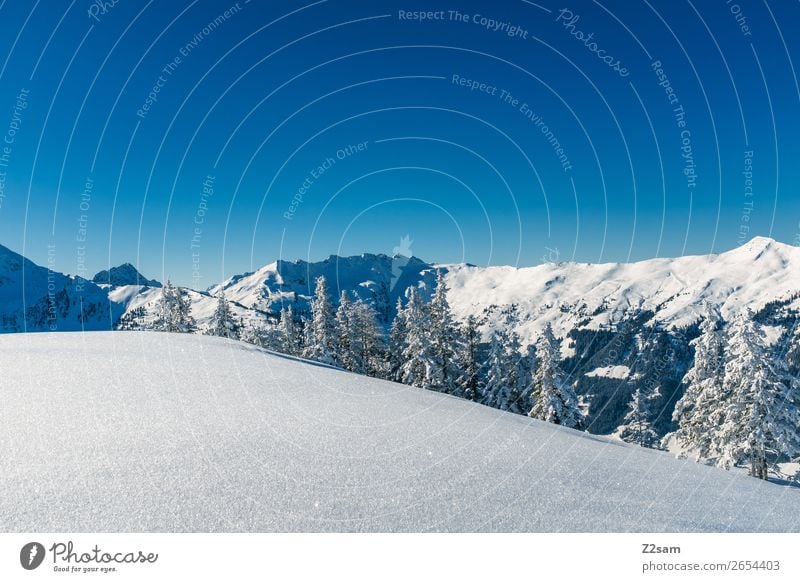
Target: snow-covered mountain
[[125, 432], [593, 296], [125, 274], [34, 298], [567, 295], [379, 279], [622, 326]]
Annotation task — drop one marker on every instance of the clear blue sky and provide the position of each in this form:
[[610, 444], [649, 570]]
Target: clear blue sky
[[271, 99]]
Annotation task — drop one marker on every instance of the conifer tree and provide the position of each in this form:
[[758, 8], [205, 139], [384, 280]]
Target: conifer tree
[[368, 345], [443, 338], [346, 334], [418, 358], [289, 334], [223, 322], [467, 360], [497, 389], [397, 343], [554, 399], [637, 426], [322, 335], [173, 311], [700, 411], [761, 416]]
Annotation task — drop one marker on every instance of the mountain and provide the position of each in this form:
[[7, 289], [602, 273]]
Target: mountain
[[594, 296], [379, 279], [125, 432], [125, 274], [567, 295], [622, 326], [34, 298]]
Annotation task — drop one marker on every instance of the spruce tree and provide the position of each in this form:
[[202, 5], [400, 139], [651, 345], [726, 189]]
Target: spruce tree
[[497, 389], [368, 346], [397, 342], [223, 322], [793, 348], [443, 339], [346, 334], [469, 380], [322, 335], [173, 311], [554, 399], [418, 358], [761, 416], [637, 426], [700, 411], [289, 334]]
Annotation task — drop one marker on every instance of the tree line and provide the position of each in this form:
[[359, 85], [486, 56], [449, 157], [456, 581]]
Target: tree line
[[739, 407]]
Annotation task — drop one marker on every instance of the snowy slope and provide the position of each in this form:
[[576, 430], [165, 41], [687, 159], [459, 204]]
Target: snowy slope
[[158, 432]]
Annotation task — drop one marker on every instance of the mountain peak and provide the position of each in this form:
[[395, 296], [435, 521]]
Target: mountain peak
[[761, 242], [125, 274]]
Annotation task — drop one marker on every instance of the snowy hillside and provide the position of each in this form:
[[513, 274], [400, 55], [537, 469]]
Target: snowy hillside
[[160, 432]]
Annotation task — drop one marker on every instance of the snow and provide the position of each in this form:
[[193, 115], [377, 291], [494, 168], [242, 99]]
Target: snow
[[34, 298], [281, 282], [618, 372], [158, 432], [596, 295]]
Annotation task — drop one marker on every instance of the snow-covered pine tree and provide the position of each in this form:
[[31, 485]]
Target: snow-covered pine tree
[[223, 322], [443, 338], [346, 334], [700, 411], [397, 342], [173, 311], [554, 399], [469, 381], [496, 390], [322, 336], [368, 347], [519, 366], [133, 320], [289, 334], [255, 331], [761, 416], [793, 348], [637, 427], [417, 352], [522, 377]]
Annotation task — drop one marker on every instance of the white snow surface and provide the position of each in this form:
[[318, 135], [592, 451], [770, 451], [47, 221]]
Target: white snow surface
[[143, 431], [617, 372]]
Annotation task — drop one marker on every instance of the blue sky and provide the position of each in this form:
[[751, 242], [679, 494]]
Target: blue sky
[[203, 139]]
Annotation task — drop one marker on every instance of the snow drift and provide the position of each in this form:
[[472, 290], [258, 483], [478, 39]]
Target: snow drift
[[125, 432]]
